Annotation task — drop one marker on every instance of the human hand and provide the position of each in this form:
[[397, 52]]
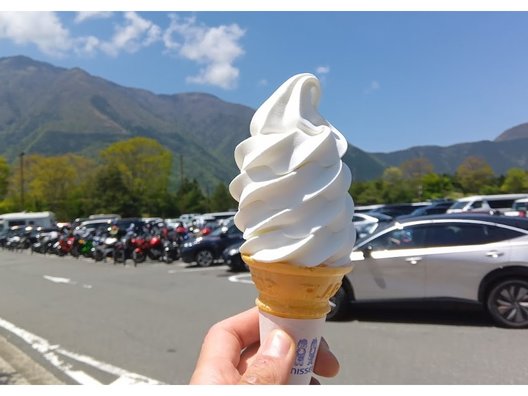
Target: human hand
[[231, 355]]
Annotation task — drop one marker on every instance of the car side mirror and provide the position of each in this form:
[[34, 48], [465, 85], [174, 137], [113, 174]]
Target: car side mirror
[[367, 251]]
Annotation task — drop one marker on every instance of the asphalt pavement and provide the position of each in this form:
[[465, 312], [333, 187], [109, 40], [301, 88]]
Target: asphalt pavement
[[80, 322], [17, 368]]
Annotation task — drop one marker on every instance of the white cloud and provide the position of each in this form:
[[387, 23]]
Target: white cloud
[[85, 15], [322, 70], [262, 83], [136, 33], [43, 29], [373, 87], [87, 45], [216, 48]]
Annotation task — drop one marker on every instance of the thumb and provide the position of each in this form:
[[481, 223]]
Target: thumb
[[273, 361]]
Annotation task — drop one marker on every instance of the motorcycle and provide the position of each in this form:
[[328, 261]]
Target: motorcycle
[[150, 246], [44, 242], [105, 249], [64, 245], [171, 251]]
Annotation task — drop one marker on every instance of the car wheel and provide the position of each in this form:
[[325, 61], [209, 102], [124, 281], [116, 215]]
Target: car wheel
[[338, 305], [507, 302], [204, 258]]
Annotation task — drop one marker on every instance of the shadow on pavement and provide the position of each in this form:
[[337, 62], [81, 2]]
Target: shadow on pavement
[[443, 313]]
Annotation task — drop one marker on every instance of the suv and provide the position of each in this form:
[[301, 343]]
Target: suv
[[468, 257], [205, 250]]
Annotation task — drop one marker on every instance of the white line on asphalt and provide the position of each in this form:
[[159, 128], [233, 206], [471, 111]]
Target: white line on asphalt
[[50, 353], [241, 278], [184, 271], [56, 279]]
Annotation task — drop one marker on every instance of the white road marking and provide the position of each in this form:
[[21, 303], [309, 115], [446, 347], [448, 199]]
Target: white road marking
[[241, 278], [51, 354], [56, 279], [196, 270]]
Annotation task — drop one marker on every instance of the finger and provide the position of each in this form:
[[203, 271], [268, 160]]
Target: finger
[[230, 336], [223, 343], [273, 361], [326, 364], [247, 357]]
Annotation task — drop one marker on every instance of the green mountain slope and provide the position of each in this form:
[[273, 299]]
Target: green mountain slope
[[51, 110]]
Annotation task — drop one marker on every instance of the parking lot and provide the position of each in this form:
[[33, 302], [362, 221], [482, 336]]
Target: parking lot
[[116, 323]]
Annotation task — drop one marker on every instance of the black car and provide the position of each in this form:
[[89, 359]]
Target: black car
[[233, 259], [433, 209], [205, 250], [395, 210]]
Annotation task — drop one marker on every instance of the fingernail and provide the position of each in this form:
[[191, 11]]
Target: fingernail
[[324, 344], [277, 344]]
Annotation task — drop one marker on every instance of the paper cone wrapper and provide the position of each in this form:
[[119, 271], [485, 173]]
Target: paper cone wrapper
[[296, 299]]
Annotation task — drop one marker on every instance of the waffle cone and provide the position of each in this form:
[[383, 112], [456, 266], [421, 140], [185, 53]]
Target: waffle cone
[[297, 292]]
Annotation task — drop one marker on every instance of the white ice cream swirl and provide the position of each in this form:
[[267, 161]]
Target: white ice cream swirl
[[292, 191]]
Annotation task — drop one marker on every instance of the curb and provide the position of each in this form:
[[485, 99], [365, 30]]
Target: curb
[[17, 368]]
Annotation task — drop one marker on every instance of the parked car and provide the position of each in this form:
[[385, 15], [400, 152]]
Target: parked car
[[367, 223], [467, 257], [491, 204], [233, 259], [205, 249], [434, 208], [395, 210], [519, 208]]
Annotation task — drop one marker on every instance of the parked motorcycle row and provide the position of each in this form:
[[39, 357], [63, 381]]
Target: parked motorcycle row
[[116, 241]]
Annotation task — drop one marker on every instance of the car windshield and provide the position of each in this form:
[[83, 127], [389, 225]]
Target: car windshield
[[218, 231], [459, 205]]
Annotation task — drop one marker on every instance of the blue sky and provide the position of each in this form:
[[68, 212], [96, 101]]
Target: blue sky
[[390, 80]]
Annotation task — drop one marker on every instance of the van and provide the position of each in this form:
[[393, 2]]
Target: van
[[499, 203], [36, 219]]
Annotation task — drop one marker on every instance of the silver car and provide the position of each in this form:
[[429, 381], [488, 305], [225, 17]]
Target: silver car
[[477, 258]]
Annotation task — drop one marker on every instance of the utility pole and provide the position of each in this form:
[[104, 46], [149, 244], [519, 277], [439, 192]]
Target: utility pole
[[22, 180]]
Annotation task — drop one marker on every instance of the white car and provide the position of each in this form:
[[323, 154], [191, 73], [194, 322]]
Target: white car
[[468, 257]]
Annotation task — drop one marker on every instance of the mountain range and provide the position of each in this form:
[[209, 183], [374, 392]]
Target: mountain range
[[52, 110]]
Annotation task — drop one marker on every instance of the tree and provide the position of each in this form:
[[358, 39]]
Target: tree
[[474, 175], [416, 168], [4, 177], [395, 187], [145, 166], [112, 194], [191, 198], [516, 181], [221, 200], [367, 192], [50, 182], [436, 186]]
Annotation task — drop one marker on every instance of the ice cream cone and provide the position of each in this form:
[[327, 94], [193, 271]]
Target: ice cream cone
[[291, 291], [295, 299]]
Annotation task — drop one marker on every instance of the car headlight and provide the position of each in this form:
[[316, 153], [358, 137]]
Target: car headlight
[[187, 244], [232, 252]]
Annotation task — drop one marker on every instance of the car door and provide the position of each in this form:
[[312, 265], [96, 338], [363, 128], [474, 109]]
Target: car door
[[461, 254], [389, 266]]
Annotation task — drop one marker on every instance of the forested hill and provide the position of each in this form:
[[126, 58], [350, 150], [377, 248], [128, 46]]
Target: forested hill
[[50, 110]]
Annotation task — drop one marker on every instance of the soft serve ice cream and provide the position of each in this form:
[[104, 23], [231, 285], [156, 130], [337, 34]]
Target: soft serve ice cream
[[294, 205], [296, 214]]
